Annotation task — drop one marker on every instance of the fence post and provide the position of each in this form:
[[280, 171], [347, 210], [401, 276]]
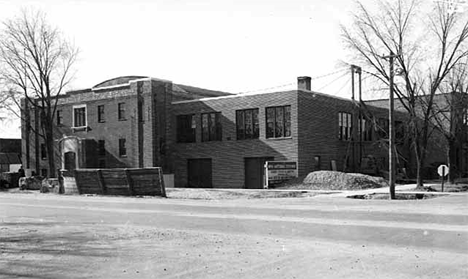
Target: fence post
[[129, 182], [161, 183], [101, 182]]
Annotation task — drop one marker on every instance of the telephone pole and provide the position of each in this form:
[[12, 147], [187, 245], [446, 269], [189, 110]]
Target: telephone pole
[[391, 129]]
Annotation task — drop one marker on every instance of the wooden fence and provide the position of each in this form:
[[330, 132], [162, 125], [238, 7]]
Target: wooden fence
[[127, 182]]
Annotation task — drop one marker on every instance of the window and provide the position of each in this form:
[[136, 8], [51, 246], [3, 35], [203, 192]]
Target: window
[[365, 130], [101, 147], [79, 116], [186, 127], [122, 148], [44, 172], [247, 124], [102, 163], [345, 121], [100, 114], [59, 118], [43, 151], [278, 122], [121, 111], [211, 126]]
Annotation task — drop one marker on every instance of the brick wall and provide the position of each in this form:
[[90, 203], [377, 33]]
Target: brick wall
[[228, 154], [318, 134]]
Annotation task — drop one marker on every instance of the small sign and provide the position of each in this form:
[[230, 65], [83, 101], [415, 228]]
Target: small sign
[[443, 170], [279, 171]]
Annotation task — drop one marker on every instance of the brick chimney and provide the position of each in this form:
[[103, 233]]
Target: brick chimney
[[303, 83]]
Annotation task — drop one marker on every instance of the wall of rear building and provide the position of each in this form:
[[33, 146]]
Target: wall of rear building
[[228, 154], [319, 130], [110, 130]]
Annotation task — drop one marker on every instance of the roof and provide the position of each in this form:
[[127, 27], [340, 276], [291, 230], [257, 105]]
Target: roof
[[184, 92], [180, 89], [118, 81], [9, 159]]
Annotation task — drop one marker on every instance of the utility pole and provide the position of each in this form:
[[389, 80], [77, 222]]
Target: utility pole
[[391, 130], [356, 70]]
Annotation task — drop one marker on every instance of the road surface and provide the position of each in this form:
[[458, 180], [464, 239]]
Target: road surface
[[51, 236]]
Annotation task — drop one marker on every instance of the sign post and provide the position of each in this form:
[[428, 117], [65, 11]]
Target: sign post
[[443, 170], [279, 171]]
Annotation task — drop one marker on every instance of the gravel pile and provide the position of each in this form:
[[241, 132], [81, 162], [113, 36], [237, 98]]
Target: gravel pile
[[334, 180]]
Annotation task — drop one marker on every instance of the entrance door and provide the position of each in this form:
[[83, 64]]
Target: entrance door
[[70, 161], [199, 173], [255, 171]]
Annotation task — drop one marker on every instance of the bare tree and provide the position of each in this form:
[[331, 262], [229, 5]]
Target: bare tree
[[428, 42], [449, 116], [36, 63]]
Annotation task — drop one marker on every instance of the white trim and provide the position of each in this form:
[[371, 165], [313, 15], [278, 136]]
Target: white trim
[[110, 87]]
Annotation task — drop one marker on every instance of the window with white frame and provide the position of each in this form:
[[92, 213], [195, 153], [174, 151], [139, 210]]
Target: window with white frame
[[79, 116]]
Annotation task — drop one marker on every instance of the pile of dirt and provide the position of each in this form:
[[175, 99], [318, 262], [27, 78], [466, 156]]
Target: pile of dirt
[[334, 180]]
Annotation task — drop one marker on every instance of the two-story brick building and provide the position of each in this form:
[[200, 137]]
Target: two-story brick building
[[210, 138]]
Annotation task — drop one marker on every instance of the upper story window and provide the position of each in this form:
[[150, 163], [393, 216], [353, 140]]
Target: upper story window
[[59, 117], [247, 126], [211, 126], [365, 129], [100, 114], [121, 111], [79, 116], [122, 147], [186, 127], [345, 125], [278, 122]]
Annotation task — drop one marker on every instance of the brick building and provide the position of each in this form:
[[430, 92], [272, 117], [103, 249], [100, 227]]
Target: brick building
[[210, 138]]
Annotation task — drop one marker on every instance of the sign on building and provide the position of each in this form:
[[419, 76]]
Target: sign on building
[[279, 171]]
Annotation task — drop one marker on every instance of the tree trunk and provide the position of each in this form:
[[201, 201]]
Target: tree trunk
[[419, 165], [452, 164], [49, 142]]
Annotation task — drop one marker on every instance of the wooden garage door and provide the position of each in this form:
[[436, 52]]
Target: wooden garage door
[[199, 173], [254, 171]]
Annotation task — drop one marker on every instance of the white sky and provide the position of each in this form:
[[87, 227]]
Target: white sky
[[232, 46]]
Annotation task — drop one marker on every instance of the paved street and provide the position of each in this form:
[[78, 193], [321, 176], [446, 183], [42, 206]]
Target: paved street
[[51, 236]]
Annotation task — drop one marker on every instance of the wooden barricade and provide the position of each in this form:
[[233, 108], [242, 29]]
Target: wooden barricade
[[126, 182]]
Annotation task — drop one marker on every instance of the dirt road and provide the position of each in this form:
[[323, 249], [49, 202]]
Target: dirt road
[[48, 236]]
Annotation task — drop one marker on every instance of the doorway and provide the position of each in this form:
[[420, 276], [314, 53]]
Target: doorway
[[254, 171], [70, 161]]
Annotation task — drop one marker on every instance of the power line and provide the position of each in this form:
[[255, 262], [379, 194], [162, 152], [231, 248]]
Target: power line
[[347, 81], [292, 83], [344, 74]]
